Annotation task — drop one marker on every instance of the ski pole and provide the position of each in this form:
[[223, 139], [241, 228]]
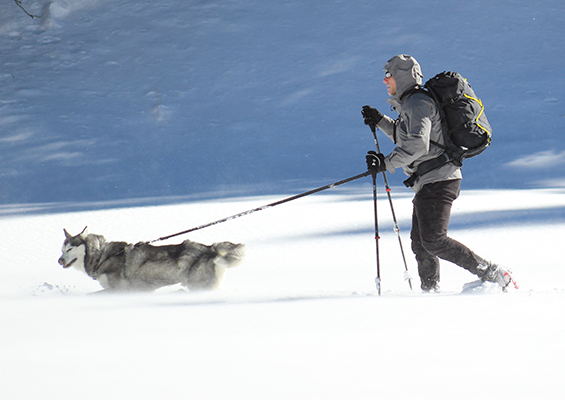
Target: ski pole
[[407, 276], [378, 278], [276, 203]]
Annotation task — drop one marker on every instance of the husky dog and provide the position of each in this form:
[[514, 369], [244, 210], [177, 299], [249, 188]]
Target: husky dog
[[124, 266]]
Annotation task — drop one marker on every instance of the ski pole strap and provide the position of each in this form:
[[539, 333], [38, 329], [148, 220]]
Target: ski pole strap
[[427, 166]]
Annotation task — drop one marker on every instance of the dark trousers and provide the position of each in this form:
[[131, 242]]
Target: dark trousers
[[430, 220]]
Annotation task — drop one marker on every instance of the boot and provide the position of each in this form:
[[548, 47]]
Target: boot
[[429, 285], [491, 272]]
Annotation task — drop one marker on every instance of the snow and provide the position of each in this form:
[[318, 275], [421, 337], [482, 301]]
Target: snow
[[140, 119], [300, 318]]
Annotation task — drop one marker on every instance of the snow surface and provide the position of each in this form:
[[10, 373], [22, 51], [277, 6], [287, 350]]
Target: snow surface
[[224, 106], [300, 317]]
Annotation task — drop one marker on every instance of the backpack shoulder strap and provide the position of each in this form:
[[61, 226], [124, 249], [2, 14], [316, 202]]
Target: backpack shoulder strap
[[413, 90]]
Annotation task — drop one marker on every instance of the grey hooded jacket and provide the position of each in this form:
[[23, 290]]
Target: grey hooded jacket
[[418, 123]]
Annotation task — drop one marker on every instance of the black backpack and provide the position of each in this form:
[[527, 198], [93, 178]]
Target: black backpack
[[465, 128]]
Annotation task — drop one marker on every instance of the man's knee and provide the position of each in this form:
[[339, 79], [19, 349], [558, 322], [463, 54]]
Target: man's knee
[[435, 245]]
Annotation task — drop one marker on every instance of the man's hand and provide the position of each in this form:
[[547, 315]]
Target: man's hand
[[371, 116], [375, 162]]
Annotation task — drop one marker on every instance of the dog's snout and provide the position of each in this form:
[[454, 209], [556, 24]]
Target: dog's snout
[[61, 261]]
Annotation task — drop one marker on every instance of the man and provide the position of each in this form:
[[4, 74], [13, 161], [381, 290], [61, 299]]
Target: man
[[437, 187]]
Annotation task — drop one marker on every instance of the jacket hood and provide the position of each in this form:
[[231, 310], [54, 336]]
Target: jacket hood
[[406, 72]]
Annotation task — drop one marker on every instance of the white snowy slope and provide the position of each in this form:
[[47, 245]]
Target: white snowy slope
[[300, 317], [144, 118]]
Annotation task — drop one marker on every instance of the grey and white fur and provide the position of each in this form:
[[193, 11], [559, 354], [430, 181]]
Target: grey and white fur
[[122, 266]]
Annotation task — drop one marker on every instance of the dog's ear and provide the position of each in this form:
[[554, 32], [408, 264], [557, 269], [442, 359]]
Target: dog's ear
[[84, 232], [67, 234]]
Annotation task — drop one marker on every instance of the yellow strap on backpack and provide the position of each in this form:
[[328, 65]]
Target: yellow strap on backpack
[[479, 116]]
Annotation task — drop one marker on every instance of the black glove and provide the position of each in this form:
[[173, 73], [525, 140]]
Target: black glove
[[375, 162], [371, 116]]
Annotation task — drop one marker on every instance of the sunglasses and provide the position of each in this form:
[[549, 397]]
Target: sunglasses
[[388, 75]]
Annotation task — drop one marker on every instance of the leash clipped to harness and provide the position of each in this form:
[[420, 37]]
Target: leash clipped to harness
[[276, 203]]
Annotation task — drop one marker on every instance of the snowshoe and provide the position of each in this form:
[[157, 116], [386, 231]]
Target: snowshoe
[[497, 274]]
